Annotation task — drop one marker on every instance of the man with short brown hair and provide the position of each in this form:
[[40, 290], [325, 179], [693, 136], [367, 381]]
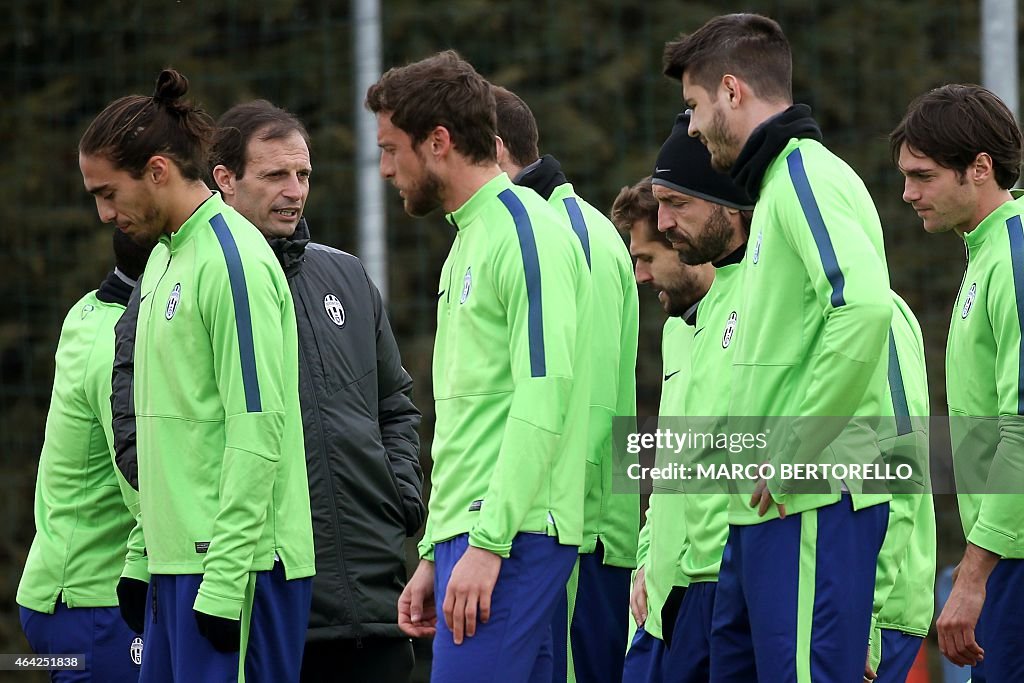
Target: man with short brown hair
[[959, 149], [511, 382], [359, 422], [815, 310]]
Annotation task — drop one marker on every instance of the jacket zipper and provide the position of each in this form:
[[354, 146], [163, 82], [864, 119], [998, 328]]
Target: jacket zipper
[[963, 280], [149, 323], [356, 620], [448, 291]]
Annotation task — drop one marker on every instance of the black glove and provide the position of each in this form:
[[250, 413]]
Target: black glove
[[131, 599], [224, 634]]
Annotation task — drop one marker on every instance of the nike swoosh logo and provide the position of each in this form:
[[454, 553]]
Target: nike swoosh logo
[[440, 294], [671, 375], [662, 170]]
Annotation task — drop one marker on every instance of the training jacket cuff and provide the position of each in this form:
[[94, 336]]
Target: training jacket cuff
[[218, 606], [999, 542], [501, 549], [137, 568]]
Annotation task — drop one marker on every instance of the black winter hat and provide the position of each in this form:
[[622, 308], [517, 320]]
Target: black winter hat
[[684, 165]]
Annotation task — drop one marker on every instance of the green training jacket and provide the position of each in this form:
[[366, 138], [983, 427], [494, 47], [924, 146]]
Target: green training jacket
[[815, 316], [222, 467], [718, 330], [664, 537], [985, 384], [905, 579], [84, 508], [611, 509], [511, 374]]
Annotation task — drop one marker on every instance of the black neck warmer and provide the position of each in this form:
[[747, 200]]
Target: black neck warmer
[[689, 316], [765, 143], [542, 176], [732, 258], [291, 251], [114, 290]]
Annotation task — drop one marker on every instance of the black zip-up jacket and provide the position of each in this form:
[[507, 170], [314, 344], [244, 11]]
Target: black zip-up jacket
[[360, 427], [362, 444]]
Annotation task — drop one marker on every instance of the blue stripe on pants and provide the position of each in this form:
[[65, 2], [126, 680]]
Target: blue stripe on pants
[[277, 629], [754, 634], [176, 651], [514, 646], [644, 659], [99, 633]]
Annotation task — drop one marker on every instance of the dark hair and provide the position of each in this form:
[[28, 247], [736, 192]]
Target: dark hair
[[135, 128], [517, 127], [442, 90], [130, 256], [637, 203], [953, 124], [750, 46], [237, 126]]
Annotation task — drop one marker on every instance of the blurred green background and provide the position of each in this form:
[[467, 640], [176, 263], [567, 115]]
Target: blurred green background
[[590, 70]]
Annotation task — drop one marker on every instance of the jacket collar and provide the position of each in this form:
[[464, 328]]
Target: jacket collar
[[542, 176], [463, 216], [213, 205], [767, 141], [732, 258], [291, 251], [116, 288]]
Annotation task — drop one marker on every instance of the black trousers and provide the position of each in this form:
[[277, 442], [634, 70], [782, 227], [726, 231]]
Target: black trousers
[[373, 660]]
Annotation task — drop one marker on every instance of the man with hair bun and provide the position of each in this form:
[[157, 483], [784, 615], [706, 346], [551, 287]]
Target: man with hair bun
[[221, 471], [959, 148]]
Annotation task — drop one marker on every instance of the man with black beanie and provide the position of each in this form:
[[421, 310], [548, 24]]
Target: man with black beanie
[[707, 218]]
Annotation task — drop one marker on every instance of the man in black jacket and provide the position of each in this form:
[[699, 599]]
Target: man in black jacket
[[360, 425]]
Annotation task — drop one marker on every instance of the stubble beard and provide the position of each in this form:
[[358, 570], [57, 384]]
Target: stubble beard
[[723, 144], [425, 196]]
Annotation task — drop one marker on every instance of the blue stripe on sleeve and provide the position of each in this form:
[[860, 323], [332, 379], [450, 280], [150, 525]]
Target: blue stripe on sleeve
[[579, 226], [531, 267], [898, 391], [813, 215], [243, 317], [1016, 234]]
